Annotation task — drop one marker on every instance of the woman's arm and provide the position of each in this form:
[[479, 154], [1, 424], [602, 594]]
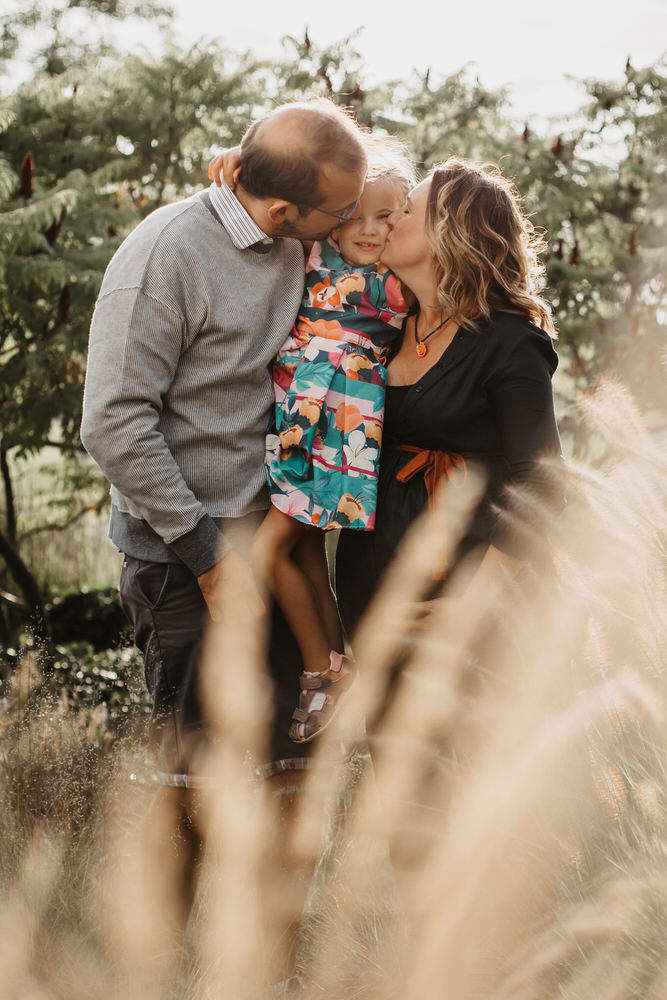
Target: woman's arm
[[522, 404], [494, 570], [521, 400]]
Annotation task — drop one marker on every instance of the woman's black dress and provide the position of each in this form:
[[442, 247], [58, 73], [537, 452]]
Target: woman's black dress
[[490, 392]]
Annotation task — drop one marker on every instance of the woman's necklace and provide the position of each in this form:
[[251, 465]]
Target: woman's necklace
[[420, 345]]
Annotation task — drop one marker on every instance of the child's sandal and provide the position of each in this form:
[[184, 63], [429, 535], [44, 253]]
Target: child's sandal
[[320, 698]]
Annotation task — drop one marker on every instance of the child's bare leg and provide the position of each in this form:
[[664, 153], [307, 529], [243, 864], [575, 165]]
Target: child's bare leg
[[310, 554], [272, 554]]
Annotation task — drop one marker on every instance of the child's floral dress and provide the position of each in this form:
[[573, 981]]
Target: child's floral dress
[[323, 455]]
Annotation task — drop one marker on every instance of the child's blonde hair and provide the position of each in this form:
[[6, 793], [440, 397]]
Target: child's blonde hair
[[389, 159]]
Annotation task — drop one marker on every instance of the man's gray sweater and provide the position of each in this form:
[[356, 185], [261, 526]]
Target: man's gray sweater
[[179, 391]]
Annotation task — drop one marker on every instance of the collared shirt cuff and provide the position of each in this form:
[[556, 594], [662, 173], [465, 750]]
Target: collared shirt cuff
[[201, 548]]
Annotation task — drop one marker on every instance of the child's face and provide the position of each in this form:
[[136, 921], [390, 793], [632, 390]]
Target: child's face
[[361, 240]]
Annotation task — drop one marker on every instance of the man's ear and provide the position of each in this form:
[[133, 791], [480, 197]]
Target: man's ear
[[278, 211]]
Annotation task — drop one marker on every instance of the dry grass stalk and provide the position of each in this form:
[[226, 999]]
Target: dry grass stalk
[[518, 766]]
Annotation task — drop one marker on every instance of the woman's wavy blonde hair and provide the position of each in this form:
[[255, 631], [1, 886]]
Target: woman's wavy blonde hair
[[486, 248]]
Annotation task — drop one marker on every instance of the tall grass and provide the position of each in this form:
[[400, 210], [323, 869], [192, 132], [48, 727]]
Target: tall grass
[[517, 775]]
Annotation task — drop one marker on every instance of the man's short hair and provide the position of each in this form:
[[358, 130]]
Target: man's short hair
[[322, 134]]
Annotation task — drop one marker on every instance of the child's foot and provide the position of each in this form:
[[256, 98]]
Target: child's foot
[[320, 698]]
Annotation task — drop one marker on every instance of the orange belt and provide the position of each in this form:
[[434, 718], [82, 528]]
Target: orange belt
[[436, 465]]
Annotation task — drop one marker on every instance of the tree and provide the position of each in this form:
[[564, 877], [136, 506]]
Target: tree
[[96, 139], [596, 188], [88, 149], [629, 326], [51, 262]]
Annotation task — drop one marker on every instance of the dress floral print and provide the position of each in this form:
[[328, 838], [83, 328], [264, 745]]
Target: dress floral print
[[323, 454]]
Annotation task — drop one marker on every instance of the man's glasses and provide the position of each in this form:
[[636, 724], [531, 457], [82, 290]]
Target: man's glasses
[[341, 216]]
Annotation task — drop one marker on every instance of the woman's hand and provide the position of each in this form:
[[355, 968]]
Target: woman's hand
[[418, 616], [226, 167], [481, 591]]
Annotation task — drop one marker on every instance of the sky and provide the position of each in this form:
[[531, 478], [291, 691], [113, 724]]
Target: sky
[[528, 45], [532, 47]]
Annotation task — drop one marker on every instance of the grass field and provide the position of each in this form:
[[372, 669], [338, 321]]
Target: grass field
[[520, 763]]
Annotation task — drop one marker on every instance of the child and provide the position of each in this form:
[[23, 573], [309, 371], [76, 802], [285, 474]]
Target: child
[[322, 458]]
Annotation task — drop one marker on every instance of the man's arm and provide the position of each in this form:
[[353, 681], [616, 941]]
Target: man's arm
[[135, 345]]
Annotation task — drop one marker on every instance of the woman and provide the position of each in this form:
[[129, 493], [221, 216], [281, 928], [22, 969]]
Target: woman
[[470, 382]]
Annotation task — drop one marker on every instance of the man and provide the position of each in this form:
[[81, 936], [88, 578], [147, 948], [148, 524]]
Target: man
[[193, 307]]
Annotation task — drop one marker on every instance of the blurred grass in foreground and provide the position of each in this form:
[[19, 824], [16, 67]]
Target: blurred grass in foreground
[[518, 766]]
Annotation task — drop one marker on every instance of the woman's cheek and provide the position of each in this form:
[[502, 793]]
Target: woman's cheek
[[383, 232]]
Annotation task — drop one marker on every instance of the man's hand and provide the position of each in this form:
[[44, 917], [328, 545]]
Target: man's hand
[[230, 591], [226, 166]]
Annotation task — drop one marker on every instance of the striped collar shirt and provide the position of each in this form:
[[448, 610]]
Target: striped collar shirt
[[243, 230]]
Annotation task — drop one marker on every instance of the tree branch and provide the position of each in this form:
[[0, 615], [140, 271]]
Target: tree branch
[[583, 365], [29, 588], [9, 495], [61, 445], [13, 601], [64, 525]]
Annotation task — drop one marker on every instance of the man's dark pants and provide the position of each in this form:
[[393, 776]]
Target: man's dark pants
[[169, 615]]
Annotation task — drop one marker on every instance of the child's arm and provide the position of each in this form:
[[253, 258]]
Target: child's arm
[[225, 167]]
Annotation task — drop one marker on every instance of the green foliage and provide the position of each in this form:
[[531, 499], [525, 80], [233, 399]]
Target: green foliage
[[84, 679], [60, 219], [90, 144], [96, 139], [90, 616], [308, 70], [629, 235], [445, 116], [85, 158], [597, 189], [86, 153], [168, 114], [64, 33], [113, 677]]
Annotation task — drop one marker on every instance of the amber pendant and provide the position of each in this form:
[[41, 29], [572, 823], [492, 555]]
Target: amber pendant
[[421, 349]]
